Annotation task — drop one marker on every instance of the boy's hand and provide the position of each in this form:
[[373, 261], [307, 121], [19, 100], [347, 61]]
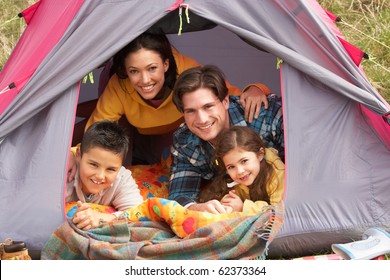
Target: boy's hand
[[85, 218], [71, 167]]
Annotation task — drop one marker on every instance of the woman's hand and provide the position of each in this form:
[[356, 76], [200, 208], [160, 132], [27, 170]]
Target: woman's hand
[[232, 200], [251, 100]]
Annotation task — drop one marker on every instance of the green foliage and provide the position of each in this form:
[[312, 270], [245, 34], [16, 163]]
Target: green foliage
[[372, 17]]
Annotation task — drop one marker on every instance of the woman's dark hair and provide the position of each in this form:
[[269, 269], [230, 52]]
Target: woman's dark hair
[[154, 42], [244, 138], [207, 76]]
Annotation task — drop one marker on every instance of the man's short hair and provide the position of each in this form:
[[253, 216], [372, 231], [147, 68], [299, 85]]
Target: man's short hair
[[207, 76]]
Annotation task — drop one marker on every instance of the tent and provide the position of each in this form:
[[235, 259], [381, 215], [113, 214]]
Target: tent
[[337, 131]]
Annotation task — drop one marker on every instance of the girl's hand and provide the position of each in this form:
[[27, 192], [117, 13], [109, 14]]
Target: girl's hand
[[232, 200], [211, 206]]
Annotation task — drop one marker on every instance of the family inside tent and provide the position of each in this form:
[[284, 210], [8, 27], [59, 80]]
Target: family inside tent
[[185, 103], [173, 161]]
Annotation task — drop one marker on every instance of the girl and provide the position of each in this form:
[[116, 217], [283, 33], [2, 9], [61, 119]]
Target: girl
[[249, 176]]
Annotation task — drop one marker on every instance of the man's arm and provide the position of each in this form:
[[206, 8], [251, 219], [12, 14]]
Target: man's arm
[[277, 124], [184, 181], [190, 163], [184, 185]]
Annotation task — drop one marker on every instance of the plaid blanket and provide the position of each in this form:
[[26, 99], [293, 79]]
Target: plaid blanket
[[154, 235]]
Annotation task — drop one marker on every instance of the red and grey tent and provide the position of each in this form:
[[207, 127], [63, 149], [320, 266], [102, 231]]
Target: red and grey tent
[[337, 132]]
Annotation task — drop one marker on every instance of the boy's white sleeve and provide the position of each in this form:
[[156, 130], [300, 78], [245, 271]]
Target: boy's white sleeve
[[127, 193]]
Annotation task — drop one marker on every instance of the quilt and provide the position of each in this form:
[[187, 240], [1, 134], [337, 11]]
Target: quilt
[[152, 179]]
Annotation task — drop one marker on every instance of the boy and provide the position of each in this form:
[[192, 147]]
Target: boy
[[100, 177]]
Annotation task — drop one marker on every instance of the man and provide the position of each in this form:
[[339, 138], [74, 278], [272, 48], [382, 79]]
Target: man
[[200, 93]]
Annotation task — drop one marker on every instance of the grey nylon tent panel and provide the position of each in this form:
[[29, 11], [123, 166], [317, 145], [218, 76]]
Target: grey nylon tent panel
[[337, 181], [313, 190], [32, 171], [242, 64]]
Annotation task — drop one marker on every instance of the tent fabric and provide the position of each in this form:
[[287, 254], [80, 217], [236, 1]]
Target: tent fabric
[[355, 53], [28, 13], [337, 142], [44, 30], [332, 16], [356, 163]]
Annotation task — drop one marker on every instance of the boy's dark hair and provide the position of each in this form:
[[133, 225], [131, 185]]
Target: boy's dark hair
[[207, 76], [108, 135], [155, 42]]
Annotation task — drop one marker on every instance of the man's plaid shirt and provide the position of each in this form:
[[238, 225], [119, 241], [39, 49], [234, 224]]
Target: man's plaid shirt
[[192, 157]]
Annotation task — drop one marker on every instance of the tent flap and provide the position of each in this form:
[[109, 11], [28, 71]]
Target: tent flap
[[28, 13]]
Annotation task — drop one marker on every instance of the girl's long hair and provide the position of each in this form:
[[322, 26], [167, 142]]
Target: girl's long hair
[[248, 140]]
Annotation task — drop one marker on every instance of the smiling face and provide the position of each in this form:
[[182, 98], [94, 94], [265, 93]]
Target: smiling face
[[145, 69], [205, 115], [98, 169], [242, 166]]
